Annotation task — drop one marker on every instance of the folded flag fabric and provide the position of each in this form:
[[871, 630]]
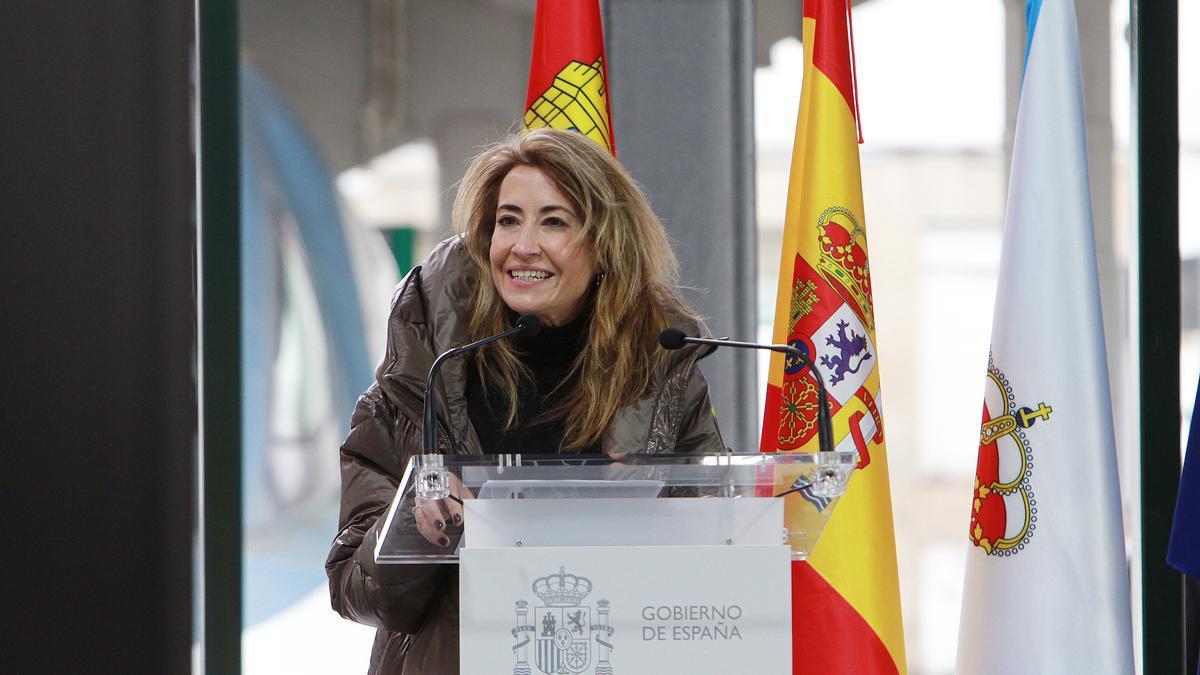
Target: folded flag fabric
[[846, 597], [568, 80]]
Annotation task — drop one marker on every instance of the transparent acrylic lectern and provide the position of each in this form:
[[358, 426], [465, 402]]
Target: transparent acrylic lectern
[[598, 500]]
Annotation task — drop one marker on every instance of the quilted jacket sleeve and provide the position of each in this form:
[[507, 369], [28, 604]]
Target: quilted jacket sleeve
[[396, 598], [698, 430]]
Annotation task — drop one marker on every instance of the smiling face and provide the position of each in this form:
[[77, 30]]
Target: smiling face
[[540, 264]]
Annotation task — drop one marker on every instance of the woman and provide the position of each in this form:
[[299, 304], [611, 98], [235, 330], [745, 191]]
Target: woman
[[549, 224]]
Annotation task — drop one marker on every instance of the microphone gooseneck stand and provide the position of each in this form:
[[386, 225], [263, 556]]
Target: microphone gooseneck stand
[[673, 338], [528, 325]]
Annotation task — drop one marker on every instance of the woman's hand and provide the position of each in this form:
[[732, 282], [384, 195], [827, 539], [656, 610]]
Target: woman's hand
[[433, 516]]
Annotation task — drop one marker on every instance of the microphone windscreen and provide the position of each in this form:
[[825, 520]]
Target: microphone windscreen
[[529, 324], [672, 338]]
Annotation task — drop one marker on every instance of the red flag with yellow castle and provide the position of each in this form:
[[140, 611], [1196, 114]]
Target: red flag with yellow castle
[[846, 596], [568, 83]]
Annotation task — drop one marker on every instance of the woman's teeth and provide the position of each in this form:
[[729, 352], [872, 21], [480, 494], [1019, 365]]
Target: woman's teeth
[[528, 275]]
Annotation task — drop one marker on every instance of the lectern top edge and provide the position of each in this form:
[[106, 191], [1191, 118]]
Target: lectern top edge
[[808, 483]]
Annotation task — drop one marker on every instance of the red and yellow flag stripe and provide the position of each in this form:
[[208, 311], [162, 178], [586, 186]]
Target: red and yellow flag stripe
[[846, 597], [568, 81]]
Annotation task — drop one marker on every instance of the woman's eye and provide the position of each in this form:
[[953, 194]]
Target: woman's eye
[[506, 221], [554, 222]]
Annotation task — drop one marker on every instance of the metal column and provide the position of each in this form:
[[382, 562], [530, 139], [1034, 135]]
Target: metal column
[[681, 73], [1155, 28], [220, 337]]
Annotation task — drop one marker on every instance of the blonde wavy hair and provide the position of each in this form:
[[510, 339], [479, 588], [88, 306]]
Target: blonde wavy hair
[[634, 300]]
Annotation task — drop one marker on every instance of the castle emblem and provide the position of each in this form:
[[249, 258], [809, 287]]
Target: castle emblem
[[1004, 508], [577, 100], [562, 631]]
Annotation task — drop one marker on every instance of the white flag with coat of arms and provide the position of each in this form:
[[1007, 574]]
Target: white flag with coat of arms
[[1047, 587]]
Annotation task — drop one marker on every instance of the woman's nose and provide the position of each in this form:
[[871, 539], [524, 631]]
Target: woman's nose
[[527, 241]]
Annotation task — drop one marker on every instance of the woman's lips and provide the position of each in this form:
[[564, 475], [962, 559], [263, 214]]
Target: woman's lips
[[528, 278], [529, 275]]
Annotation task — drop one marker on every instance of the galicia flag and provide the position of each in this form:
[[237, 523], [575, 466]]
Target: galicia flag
[[1047, 587], [568, 81], [846, 596]]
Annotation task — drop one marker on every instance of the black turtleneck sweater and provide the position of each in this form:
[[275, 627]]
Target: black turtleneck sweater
[[549, 356]]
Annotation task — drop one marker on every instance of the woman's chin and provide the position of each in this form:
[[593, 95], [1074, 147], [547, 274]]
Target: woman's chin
[[521, 309], [524, 303]]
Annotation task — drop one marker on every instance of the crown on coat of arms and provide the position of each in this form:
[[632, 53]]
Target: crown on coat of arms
[[562, 589], [844, 259]]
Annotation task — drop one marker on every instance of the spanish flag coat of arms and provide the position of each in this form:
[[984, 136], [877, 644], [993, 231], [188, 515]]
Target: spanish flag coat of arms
[[846, 598]]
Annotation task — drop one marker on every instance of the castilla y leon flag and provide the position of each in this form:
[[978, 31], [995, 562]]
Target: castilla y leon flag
[[568, 81], [1046, 587], [846, 596]]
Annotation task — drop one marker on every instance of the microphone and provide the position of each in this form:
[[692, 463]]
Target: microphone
[[528, 325], [673, 338]]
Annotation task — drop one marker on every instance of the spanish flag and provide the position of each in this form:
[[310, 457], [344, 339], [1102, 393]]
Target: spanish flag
[[846, 596], [568, 83]]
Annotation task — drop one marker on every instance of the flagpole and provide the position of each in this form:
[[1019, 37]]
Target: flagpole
[[1155, 53]]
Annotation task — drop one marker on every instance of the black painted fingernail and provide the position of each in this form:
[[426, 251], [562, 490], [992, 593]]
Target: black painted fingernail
[[444, 541], [439, 524]]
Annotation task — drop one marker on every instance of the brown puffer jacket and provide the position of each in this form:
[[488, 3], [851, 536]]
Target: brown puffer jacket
[[415, 607]]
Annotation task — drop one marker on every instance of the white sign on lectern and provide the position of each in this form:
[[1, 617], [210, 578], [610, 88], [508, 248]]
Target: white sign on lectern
[[600, 609], [625, 585]]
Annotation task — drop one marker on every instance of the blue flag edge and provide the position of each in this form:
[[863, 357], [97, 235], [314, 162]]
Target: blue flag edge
[[1183, 552]]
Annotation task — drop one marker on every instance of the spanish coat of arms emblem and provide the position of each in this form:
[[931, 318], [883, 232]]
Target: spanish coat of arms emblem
[[561, 633]]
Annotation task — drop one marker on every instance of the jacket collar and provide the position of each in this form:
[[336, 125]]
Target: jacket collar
[[429, 316]]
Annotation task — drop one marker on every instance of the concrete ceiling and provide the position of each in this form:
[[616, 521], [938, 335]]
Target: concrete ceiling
[[349, 67]]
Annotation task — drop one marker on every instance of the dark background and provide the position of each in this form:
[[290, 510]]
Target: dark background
[[98, 326]]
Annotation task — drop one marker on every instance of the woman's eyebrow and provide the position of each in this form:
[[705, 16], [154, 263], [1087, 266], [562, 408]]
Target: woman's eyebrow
[[550, 208]]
